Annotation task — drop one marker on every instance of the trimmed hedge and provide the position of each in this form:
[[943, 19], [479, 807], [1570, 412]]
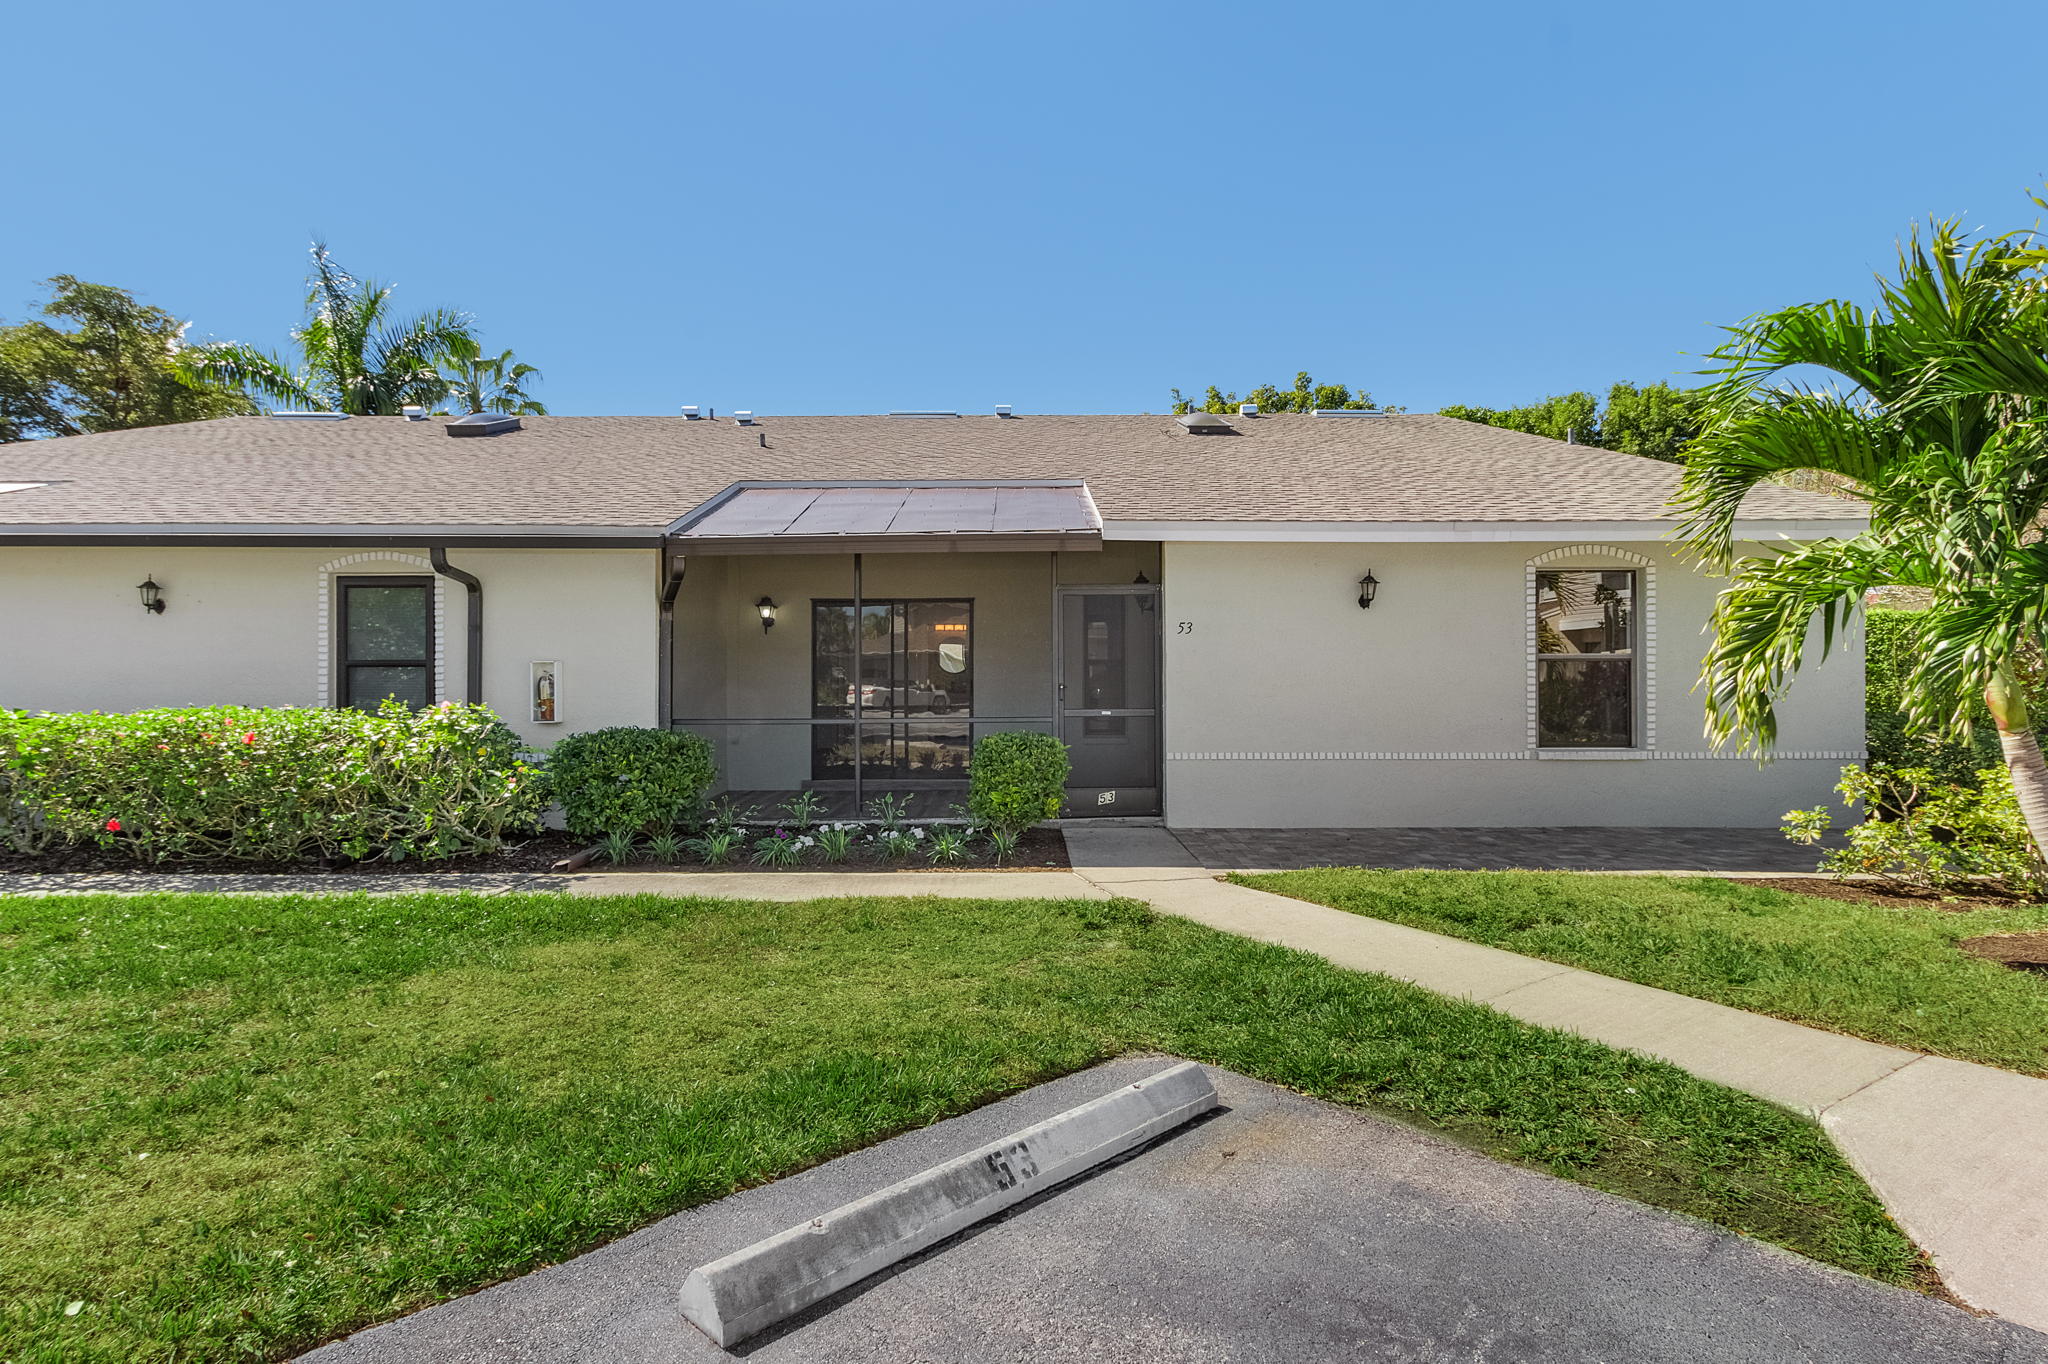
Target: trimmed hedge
[[1891, 643], [238, 783], [627, 781], [1016, 779]]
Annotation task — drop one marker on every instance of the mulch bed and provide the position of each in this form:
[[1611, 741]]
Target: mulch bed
[[534, 854], [1040, 849], [1877, 893], [2020, 951]]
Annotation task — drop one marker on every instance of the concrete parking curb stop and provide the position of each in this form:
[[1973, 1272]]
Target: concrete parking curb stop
[[750, 1290]]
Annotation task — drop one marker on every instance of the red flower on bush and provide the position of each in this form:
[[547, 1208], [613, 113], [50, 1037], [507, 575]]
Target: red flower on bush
[[250, 737], [113, 826]]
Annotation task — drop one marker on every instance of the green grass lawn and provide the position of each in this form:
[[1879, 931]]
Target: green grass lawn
[[232, 1127], [1892, 974]]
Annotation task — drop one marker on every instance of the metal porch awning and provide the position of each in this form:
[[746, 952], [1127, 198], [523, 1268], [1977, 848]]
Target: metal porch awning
[[888, 517]]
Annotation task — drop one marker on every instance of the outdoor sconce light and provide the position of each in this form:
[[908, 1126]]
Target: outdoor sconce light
[[152, 596], [766, 606], [1368, 588]]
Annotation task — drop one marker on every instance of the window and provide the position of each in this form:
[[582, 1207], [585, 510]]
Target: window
[[915, 663], [1586, 658], [386, 641]]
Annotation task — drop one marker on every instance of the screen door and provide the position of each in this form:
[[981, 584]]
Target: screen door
[[1109, 699]]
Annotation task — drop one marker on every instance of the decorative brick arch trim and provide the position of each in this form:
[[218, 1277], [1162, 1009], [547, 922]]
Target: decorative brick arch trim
[[1628, 556], [1589, 556], [323, 639]]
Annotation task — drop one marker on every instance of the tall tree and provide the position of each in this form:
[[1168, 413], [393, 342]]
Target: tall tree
[[1306, 396], [489, 383], [355, 356], [1562, 416], [102, 362], [1656, 420], [1938, 421]]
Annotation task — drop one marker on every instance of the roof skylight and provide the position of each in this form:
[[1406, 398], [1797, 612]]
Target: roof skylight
[[20, 487]]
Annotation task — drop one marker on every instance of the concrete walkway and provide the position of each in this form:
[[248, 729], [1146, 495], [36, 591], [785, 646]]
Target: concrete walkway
[[813, 885], [1955, 1150], [275, 883]]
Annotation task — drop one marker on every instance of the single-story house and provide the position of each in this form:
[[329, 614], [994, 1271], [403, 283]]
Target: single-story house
[[1310, 620]]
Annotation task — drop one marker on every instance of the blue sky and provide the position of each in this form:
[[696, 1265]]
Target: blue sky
[[1066, 207]]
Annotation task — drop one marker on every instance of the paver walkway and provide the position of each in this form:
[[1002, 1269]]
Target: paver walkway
[[1954, 1150], [1573, 849]]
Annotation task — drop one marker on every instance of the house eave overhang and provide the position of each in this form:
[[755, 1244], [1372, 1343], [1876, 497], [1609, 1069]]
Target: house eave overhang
[[1462, 532], [239, 534]]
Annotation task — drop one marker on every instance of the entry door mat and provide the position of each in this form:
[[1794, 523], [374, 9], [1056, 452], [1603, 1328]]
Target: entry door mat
[[1280, 1228]]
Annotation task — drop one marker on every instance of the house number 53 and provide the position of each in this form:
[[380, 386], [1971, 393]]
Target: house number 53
[[1185, 627]]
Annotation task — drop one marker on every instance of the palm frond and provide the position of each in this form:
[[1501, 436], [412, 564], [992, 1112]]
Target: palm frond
[[1756, 438], [1762, 622], [231, 365], [1832, 335], [1968, 633]]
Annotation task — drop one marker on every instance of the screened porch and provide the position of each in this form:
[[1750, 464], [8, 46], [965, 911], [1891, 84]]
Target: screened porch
[[864, 676]]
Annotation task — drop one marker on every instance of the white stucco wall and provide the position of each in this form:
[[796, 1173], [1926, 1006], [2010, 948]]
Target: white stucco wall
[[1287, 706], [246, 626]]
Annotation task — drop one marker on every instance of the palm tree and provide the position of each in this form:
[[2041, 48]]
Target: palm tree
[[354, 356], [1937, 421], [489, 383]]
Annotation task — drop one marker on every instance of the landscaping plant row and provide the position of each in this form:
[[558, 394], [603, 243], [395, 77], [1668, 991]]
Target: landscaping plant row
[[642, 792], [238, 783], [289, 784], [731, 833]]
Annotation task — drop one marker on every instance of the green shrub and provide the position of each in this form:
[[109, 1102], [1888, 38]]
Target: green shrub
[[629, 781], [1939, 836], [266, 785], [1016, 779], [1891, 644]]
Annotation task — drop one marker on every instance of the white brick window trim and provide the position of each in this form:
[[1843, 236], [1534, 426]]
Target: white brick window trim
[[1597, 557], [325, 645], [1788, 755]]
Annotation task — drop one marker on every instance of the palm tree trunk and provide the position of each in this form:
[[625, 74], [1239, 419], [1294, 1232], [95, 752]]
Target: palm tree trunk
[[2022, 754]]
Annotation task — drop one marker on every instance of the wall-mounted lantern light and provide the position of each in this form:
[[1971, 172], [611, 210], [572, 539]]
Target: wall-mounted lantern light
[[766, 606], [152, 596], [1368, 588]]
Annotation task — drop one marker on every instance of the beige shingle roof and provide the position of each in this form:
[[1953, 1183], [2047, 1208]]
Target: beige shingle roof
[[645, 472]]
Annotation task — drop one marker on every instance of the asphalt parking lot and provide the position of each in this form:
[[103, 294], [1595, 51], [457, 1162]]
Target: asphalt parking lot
[[1281, 1229]]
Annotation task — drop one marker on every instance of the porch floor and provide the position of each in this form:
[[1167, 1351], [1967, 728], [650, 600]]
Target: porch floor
[[1559, 849]]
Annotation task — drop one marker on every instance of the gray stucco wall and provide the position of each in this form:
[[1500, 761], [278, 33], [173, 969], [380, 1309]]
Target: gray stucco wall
[[1288, 706]]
